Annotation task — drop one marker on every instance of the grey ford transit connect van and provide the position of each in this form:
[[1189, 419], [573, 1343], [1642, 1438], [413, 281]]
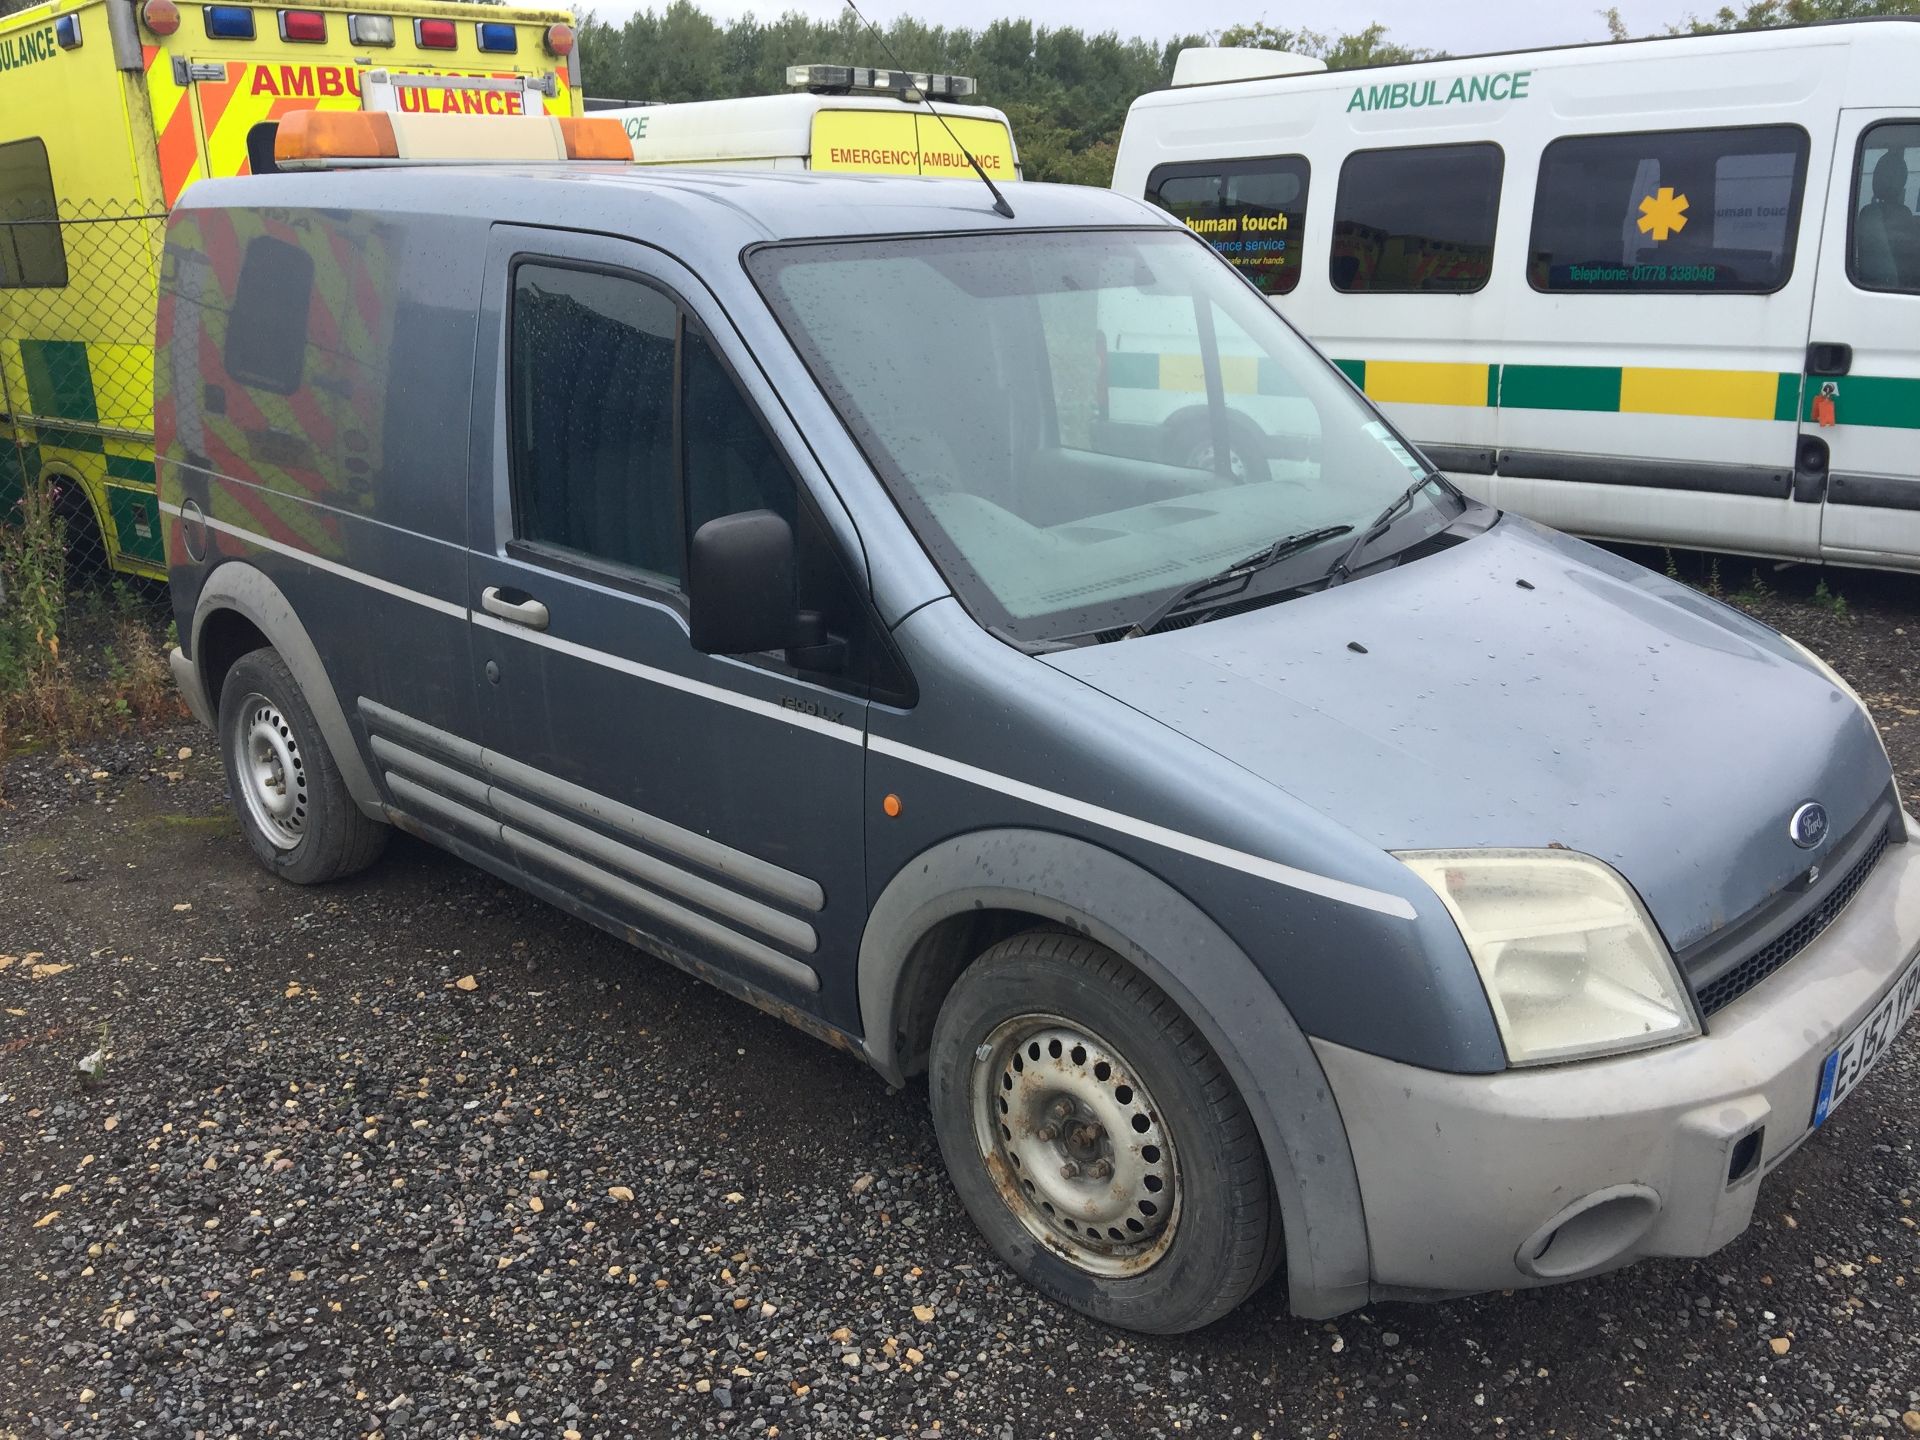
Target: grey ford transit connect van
[[1269, 854]]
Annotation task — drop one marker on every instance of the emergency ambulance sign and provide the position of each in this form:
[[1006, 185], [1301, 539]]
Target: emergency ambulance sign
[[879, 143]]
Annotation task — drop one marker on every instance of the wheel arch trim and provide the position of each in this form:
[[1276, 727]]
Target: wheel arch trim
[[1172, 942], [237, 586]]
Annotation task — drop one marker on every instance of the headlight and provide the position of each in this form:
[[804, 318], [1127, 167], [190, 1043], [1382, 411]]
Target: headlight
[[1569, 956], [1834, 679]]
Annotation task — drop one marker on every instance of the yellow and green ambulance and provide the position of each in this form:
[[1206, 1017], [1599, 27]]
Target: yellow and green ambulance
[[109, 109]]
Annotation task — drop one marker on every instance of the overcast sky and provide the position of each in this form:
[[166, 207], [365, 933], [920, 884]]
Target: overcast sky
[[1460, 26]]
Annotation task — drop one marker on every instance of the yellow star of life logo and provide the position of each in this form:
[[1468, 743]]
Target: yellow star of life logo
[[1662, 213]]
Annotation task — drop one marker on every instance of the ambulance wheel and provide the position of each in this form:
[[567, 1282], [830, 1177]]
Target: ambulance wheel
[[294, 808], [1190, 445], [1096, 1139]]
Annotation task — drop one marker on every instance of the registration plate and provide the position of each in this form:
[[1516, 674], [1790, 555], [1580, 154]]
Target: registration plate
[[1847, 1066]]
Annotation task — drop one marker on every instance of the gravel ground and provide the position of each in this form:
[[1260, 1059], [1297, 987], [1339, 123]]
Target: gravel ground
[[418, 1155]]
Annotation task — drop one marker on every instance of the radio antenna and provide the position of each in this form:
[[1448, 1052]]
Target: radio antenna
[[1000, 205]]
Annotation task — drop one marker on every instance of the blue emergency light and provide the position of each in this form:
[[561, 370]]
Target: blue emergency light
[[67, 31], [498, 37], [229, 22]]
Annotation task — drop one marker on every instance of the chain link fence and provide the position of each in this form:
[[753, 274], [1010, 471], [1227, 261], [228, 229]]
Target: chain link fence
[[82, 598]]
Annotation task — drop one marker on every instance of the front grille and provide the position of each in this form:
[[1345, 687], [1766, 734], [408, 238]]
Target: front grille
[[1729, 986]]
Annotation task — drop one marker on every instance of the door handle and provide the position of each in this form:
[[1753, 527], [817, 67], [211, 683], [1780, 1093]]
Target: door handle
[[1829, 357], [528, 612]]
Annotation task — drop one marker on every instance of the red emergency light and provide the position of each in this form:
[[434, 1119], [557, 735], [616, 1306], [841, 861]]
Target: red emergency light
[[309, 26], [435, 34]]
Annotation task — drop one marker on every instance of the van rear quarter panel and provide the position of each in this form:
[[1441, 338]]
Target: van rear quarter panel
[[314, 405]]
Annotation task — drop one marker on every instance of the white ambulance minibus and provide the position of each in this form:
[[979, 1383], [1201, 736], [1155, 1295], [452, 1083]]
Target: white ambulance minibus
[[847, 118], [1663, 290]]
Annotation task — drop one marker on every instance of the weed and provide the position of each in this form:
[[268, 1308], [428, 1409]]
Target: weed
[[1830, 601], [1756, 588], [1713, 577], [1673, 565]]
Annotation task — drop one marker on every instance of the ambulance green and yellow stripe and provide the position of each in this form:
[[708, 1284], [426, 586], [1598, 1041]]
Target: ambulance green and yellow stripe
[[1874, 400]]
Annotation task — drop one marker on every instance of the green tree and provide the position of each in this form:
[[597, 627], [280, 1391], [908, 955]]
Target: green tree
[[1344, 52]]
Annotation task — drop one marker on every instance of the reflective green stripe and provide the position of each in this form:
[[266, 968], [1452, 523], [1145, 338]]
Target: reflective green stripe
[[127, 467], [1356, 371], [59, 379], [1877, 400], [1786, 400], [1560, 387]]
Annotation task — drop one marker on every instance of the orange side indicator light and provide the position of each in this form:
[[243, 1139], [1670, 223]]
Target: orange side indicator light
[[892, 806]]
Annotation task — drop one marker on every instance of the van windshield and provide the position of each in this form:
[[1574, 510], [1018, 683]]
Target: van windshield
[[1077, 424]]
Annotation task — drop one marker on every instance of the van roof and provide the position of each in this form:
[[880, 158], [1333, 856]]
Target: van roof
[[682, 207], [1857, 31]]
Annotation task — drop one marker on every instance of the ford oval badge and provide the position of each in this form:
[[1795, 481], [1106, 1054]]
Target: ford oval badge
[[1808, 827]]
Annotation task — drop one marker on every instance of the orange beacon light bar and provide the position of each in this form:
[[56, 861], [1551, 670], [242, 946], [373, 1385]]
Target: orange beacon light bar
[[320, 139]]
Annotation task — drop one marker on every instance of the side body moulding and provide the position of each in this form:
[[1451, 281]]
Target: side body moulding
[[1109, 899]]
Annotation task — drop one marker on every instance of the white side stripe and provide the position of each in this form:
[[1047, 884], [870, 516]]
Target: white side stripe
[[719, 694], [1261, 868], [1255, 865], [331, 567]]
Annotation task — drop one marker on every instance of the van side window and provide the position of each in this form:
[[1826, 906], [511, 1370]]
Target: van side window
[[32, 253], [1883, 237], [1251, 211], [591, 417], [1669, 210], [267, 333], [1416, 220]]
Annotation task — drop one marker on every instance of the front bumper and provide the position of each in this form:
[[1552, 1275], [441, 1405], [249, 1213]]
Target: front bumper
[[1494, 1182]]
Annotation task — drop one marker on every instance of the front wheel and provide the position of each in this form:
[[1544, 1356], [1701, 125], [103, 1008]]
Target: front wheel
[[299, 820], [1096, 1139]]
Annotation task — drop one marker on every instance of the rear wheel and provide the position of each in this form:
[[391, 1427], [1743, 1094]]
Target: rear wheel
[[1096, 1139], [294, 808]]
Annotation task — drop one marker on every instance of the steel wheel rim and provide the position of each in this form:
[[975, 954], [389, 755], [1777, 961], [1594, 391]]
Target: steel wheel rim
[[1075, 1145], [269, 772]]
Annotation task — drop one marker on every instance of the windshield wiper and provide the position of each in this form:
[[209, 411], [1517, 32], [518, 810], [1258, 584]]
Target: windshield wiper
[[1342, 569], [1242, 570]]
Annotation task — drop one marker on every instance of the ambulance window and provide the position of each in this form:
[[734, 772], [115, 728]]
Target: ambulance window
[[1883, 239], [1417, 220], [267, 332], [1251, 211], [32, 253], [590, 428], [1705, 211]]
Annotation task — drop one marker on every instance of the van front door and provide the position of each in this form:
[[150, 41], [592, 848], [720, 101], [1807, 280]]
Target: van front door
[[1860, 406], [706, 807]]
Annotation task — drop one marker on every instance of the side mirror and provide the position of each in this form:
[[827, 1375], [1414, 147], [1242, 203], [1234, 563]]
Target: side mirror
[[740, 584]]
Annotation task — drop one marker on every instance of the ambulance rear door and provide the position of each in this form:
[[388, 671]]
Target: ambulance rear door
[[1860, 406]]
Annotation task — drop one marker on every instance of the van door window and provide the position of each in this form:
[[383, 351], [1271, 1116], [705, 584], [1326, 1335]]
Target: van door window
[[732, 465], [1669, 210], [1416, 220], [1251, 211], [32, 253], [1883, 240], [591, 427]]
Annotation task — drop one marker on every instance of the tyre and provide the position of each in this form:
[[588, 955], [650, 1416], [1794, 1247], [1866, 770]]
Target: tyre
[[1096, 1139], [294, 808], [1189, 445]]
